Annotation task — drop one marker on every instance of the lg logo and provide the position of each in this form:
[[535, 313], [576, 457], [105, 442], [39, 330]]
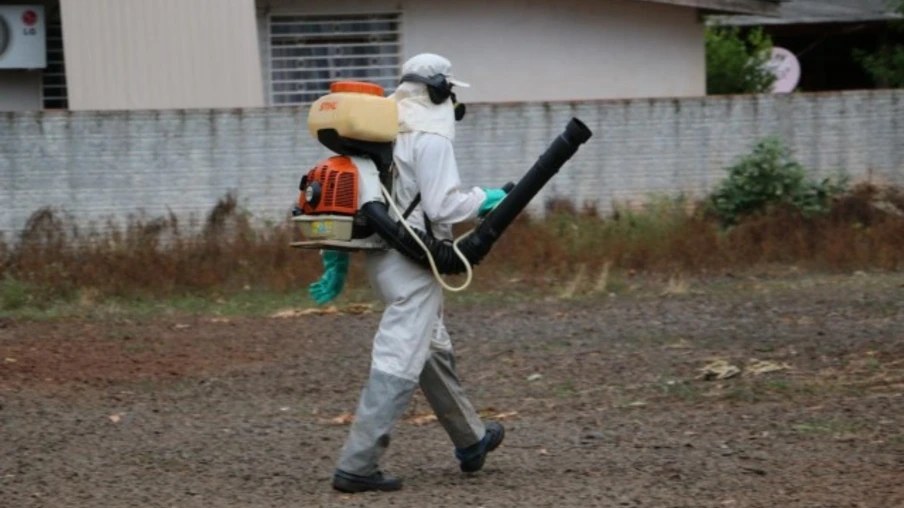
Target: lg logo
[[29, 19]]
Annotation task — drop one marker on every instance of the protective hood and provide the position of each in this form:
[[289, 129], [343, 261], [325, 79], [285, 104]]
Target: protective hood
[[418, 114]]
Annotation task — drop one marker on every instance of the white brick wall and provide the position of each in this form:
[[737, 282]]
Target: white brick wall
[[99, 165]]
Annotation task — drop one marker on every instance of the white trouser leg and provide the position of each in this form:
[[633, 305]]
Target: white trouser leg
[[401, 346], [382, 403]]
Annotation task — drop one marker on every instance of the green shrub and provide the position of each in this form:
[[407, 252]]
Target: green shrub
[[767, 177], [13, 294]]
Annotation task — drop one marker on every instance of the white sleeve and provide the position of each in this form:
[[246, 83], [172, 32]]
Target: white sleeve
[[443, 198]]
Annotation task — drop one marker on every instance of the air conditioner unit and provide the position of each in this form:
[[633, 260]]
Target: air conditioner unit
[[23, 37]]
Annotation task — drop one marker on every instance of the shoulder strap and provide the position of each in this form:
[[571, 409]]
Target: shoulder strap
[[412, 206], [410, 209]]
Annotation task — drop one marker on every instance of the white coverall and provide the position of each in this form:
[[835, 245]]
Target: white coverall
[[411, 346]]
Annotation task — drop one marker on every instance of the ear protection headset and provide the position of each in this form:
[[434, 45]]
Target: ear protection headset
[[439, 90]]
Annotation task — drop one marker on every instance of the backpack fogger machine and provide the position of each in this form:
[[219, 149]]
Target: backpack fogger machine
[[345, 201]]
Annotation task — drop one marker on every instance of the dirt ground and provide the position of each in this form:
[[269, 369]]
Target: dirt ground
[[607, 401]]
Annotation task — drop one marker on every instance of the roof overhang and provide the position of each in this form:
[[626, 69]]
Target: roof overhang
[[807, 12], [758, 7]]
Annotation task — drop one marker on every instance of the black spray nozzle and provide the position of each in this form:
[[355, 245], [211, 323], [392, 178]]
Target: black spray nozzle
[[577, 132], [549, 163]]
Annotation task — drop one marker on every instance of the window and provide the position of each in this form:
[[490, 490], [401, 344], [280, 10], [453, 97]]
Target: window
[[307, 53], [53, 80]]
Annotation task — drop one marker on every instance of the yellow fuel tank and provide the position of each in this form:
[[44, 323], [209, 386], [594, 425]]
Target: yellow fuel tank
[[357, 111]]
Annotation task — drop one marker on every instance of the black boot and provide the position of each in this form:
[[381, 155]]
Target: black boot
[[473, 457], [347, 482]]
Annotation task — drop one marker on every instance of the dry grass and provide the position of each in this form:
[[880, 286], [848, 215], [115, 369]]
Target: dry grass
[[53, 259], [864, 230]]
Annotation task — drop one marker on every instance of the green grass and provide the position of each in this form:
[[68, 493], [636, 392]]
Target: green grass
[[778, 385], [14, 295], [743, 394], [874, 365], [24, 301], [740, 390], [827, 427], [566, 389], [241, 304], [681, 390]]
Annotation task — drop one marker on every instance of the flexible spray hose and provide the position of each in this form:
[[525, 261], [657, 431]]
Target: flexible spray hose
[[464, 260]]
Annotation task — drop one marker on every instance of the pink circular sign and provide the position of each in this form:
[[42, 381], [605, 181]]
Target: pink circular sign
[[786, 68]]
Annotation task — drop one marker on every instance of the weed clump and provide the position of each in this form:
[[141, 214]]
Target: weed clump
[[769, 177]]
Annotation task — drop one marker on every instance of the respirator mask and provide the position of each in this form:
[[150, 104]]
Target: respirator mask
[[439, 90]]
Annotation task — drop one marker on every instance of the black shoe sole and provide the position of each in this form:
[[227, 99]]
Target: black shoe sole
[[354, 487]]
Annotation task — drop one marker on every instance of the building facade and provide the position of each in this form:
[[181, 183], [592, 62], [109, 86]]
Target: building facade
[[183, 54]]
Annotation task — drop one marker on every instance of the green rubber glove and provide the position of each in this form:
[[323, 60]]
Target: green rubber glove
[[494, 197], [335, 264]]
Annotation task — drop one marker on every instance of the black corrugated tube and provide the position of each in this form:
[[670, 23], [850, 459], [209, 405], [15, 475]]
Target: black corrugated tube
[[476, 245]]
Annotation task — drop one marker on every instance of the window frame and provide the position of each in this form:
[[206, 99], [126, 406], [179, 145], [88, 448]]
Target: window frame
[[395, 16]]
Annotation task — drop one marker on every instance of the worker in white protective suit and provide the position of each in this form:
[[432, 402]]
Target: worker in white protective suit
[[412, 347]]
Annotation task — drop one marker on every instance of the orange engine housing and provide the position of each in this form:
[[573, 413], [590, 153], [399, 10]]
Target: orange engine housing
[[334, 184]]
